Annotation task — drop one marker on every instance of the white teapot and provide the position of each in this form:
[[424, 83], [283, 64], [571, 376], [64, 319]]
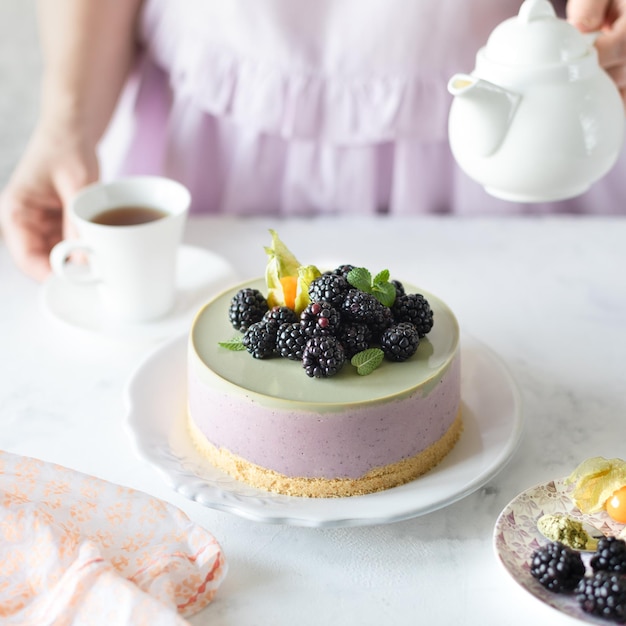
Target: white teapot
[[538, 119]]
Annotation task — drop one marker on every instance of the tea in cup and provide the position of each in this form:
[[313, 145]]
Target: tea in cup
[[129, 233]]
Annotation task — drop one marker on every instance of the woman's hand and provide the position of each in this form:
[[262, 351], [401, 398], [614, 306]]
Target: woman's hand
[[89, 49], [608, 16], [55, 165]]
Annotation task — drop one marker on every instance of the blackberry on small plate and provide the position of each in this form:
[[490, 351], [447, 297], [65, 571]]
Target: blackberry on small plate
[[557, 567], [610, 555], [604, 595]]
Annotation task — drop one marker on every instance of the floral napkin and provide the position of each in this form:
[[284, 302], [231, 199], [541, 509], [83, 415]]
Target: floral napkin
[[75, 549]]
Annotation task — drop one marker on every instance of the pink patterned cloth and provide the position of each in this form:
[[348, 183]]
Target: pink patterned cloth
[[77, 550], [290, 107]]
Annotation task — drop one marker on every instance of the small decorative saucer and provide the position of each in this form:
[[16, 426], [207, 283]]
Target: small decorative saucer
[[200, 275], [516, 537]]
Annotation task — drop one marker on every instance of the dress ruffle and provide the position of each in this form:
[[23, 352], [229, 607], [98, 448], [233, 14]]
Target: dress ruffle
[[294, 102], [258, 119]]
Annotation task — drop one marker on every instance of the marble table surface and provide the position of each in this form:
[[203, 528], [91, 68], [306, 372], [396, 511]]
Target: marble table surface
[[547, 295]]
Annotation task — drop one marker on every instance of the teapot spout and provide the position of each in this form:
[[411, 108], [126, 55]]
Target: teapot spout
[[488, 110]]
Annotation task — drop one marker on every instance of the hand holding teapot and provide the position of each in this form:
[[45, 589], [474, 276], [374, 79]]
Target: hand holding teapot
[[538, 119], [610, 17]]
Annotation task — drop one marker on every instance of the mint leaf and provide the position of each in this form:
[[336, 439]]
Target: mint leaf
[[367, 361], [385, 293], [381, 277], [379, 286], [234, 345], [360, 278]]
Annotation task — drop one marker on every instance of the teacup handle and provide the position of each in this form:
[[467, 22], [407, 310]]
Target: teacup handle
[[60, 261]]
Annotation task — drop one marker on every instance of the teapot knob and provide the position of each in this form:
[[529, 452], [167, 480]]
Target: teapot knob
[[535, 9]]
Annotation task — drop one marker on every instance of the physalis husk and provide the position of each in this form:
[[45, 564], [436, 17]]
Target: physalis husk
[[595, 481], [287, 281]]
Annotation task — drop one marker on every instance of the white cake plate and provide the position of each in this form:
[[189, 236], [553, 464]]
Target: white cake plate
[[156, 396]]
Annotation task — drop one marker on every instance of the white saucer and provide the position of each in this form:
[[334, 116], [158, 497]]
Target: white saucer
[[493, 425], [200, 275]]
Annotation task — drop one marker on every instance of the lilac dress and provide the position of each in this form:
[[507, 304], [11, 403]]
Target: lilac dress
[[289, 107]]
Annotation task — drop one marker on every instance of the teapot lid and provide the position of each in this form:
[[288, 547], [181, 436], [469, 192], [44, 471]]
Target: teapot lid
[[536, 36]]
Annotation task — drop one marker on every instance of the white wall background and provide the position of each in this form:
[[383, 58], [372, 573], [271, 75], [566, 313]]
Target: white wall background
[[20, 70]]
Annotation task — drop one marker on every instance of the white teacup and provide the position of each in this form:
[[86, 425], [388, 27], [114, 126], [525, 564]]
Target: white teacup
[[133, 265]]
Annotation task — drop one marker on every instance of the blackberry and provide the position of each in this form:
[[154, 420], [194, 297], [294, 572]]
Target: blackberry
[[381, 323], [247, 307], [343, 270], [399, 342], [320, 318], [323, 356], [260, 340], [610, 555], [291, 340], [604, 595], [557, 567], [359, 306], [329, 288], [414, 308], [399, 287], [354, 337], [279, 315]]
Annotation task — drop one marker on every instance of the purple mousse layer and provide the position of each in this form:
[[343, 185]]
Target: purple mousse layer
[[343, 444]]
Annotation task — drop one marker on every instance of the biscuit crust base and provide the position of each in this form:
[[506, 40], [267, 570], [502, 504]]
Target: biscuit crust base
[[377, 479]]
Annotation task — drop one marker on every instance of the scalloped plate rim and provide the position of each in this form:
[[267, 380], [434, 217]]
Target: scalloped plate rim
[[160, 442]]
